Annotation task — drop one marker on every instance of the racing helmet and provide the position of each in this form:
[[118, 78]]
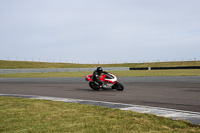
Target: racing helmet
[[99, 70]]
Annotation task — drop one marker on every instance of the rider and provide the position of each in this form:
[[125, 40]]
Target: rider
[[96, 75]]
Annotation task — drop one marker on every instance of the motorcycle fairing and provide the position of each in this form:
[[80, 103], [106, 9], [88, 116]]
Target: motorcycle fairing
[[108, 78]]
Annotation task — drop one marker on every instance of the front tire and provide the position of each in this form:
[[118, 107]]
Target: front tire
[[118, 86]]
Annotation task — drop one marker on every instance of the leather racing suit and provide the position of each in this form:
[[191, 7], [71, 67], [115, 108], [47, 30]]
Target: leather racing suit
[[96, 77]]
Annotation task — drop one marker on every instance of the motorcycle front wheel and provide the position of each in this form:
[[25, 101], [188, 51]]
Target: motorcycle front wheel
[[118, 86]]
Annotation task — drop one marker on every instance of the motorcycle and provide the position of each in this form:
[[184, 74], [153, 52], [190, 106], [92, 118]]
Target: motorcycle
[[109, 81]]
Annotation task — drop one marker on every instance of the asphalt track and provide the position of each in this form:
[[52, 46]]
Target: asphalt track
[[182, 93]]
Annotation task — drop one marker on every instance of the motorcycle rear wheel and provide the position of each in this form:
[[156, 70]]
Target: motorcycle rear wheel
[[94, 86]]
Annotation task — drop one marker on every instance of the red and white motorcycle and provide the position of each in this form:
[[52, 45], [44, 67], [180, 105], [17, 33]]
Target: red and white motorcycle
[[109, 81]]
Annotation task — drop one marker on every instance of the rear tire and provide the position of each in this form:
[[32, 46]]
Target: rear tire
[[118, 86], [94, 86]]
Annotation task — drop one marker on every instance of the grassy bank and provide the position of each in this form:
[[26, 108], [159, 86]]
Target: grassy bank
[[28, 64], [132, 73], [21, 115]]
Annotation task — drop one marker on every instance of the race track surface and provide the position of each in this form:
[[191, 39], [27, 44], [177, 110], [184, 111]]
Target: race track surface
[[181, 93]]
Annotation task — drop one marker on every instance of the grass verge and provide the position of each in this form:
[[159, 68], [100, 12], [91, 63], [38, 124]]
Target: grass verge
[[22, 115], [132, 73], [28, 64]]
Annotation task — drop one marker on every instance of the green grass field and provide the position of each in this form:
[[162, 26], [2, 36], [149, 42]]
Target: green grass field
[[20, 115], [132, 73], [28, 64], [23, 64]]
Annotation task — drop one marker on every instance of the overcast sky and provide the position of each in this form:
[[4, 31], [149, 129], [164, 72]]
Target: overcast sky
[[105, 31]]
